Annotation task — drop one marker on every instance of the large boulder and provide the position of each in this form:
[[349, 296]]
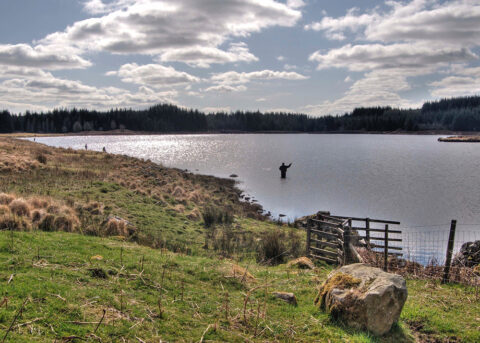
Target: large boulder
[[363, 297], [469, 255]]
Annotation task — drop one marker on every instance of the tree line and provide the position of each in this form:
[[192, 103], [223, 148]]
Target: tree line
[[457, 114]]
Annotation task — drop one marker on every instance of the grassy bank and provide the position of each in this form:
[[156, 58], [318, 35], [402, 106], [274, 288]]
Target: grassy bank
[[133, 242]]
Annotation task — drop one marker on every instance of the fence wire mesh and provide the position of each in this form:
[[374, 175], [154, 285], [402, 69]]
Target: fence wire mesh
[[424, 251]]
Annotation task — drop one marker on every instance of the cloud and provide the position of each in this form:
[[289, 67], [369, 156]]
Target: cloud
[[216, 109], [153, 75], [377, 88], [222, 88], [175, 30], [394, 56], [39, 57], [49, 91], [398, 42], [295, 3], [335, 28], [99, 7], [233, 77], [466, 81], [203, 57], [451, 22]]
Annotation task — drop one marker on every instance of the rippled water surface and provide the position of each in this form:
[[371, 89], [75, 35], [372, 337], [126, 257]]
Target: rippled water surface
[[413, 179]]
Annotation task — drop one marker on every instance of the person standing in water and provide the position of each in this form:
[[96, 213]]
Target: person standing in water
[[283, 170]]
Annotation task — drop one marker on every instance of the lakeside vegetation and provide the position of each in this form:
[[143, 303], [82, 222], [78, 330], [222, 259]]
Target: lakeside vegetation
[[169, 256], [456, 114]]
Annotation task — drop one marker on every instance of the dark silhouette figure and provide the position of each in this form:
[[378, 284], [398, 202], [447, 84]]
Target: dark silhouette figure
[[86, 147], [283, 170], [104, 150]]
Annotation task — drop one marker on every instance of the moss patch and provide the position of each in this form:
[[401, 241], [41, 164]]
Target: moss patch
[[340, 281]]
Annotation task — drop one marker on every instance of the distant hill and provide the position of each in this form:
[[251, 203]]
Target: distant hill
[[455, 114]]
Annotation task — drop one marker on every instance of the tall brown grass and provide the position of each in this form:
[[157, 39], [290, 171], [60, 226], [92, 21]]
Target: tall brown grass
[[6, 199], [20, 207]]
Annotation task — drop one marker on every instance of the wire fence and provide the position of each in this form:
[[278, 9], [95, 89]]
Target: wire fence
[[421, 251]]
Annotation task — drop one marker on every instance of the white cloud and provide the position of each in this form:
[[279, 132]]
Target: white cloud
[[295, 3], [408, 38], [466, 81], [366, 57], [233, 77], [175, 30], [280, 58], [377, 88], [39, 57], [450, 22], [203, 57], [153, 75], [223, 88], [261, 100], [48, 91], [348, 79], [216, 109], [335, 28]]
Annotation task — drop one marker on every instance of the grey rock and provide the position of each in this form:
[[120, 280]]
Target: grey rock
[[364, 297], [469, 255], [287, 297]]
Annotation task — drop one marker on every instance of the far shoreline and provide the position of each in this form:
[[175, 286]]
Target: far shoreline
[[464, 134]]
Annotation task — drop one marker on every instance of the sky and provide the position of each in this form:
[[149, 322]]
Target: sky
[[316, 57]]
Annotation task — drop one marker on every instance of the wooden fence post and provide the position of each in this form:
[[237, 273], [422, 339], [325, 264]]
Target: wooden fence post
[[346, 242], [451, 241], [367, 231], [308, 238], [385, 252]]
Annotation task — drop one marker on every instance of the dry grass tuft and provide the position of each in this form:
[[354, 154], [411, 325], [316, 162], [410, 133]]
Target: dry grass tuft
[[194, 214], [46, 223], [39, 202], [302, 262], [37, 215], [239, 273], [4, 210], [20, 207], [66, 223], [94, 208], [6, 199], [178, 192], [13, 222], [116, 227]]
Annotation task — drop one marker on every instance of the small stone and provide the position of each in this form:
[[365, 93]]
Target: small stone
[[287, 297], [233, 175]]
